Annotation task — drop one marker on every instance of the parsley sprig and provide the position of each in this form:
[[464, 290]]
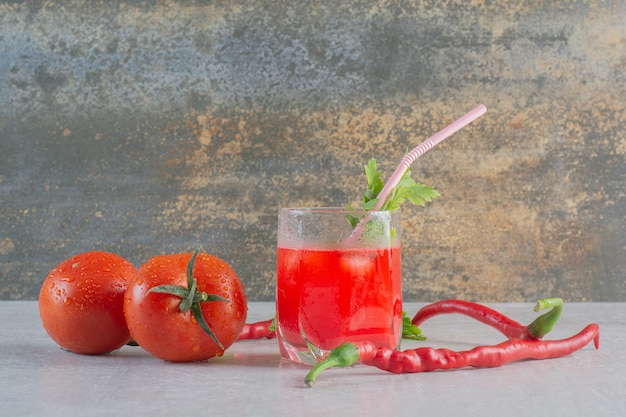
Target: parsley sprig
[[406, 190]]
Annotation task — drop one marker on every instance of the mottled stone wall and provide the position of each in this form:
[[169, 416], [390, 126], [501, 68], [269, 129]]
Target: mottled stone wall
[[149, 127]]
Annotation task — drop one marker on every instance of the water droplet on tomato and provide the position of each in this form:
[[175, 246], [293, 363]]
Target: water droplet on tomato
[[193, 320], [67, 279], [68, 300], [195, 348]]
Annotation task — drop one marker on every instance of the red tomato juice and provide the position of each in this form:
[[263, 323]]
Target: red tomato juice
[[334, 296]]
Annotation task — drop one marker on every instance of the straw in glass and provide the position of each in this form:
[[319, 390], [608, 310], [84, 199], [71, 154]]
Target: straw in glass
[[412, 156]]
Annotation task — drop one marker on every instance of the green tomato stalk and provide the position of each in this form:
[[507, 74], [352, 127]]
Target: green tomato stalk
[[191, 298]]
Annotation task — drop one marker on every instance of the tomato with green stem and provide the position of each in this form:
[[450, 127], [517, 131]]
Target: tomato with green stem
[[81, 302], [185, 307]]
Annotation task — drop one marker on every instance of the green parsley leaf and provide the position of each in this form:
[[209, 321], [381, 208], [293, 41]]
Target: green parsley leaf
[[374, 184], [409, 330], [406, 190]]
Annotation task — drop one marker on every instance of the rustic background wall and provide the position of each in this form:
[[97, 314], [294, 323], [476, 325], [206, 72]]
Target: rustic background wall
[[149, 127]]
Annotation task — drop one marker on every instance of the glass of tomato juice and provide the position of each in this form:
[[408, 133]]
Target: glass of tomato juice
[[338, 279]]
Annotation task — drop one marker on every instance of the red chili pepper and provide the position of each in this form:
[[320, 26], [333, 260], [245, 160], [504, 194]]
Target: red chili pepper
[[541, 326], [429, 359], [258, 330]]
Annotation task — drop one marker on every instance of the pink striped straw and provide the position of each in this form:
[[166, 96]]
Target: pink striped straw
[[424, 147], [410, 157]]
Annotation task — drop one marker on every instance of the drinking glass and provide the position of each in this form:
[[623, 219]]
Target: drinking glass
[[338, 279]]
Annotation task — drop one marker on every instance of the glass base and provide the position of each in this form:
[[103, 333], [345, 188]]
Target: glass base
[[301, 353], [307, 353]]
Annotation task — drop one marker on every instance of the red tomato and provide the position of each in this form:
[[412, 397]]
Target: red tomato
[[81, 302], [155, 319]]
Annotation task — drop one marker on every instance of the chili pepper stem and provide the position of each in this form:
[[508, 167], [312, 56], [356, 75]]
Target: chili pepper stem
[[346, 354], [543, 324]]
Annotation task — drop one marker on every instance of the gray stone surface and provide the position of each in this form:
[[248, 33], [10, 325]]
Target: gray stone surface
[[38, 378], [148, 127]]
